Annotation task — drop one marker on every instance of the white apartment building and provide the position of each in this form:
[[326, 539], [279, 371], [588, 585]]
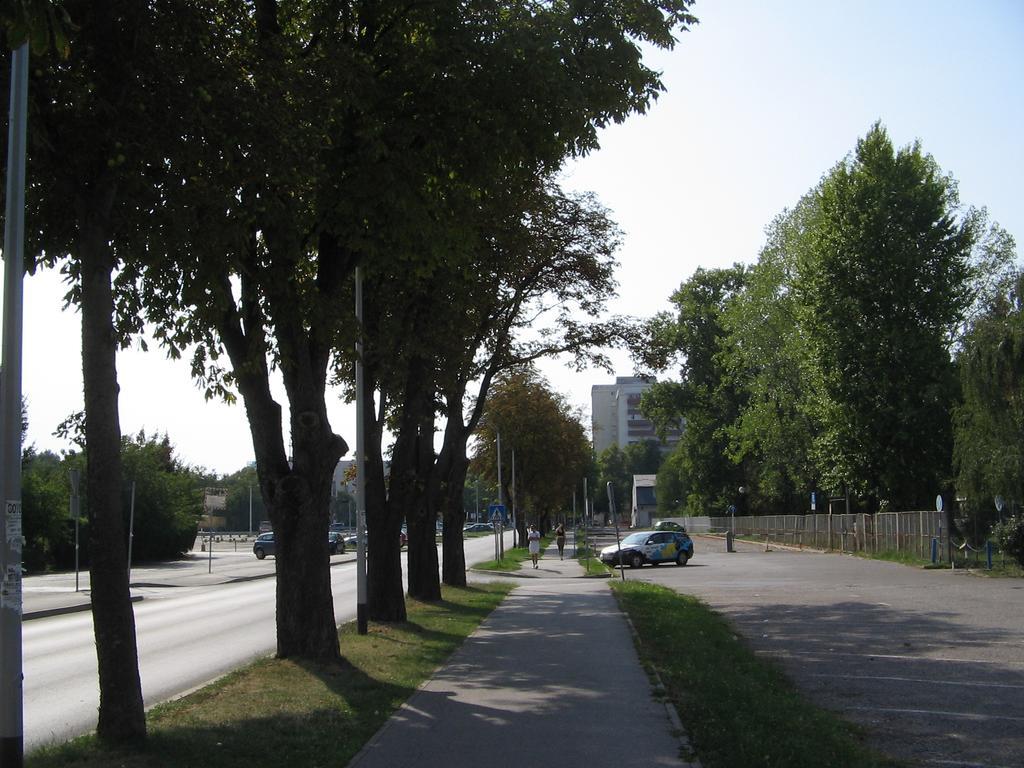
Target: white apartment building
[[616, 418]]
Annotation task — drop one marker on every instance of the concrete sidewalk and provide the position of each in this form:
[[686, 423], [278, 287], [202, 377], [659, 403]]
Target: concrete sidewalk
[[550, 678]]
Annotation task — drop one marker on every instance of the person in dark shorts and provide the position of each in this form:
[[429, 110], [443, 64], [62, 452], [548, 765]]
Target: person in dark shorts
[[560, 540]]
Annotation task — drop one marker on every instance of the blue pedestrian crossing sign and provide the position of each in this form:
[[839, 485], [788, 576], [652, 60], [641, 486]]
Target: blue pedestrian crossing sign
[[497, 512]]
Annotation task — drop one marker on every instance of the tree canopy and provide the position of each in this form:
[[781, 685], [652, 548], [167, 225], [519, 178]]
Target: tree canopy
[[831, 363]]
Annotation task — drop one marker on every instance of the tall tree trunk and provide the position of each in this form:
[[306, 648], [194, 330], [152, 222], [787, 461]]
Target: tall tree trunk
[[296, 496], [121, 714], [421, 517], [453, 562], [299, 508], [385, 600]]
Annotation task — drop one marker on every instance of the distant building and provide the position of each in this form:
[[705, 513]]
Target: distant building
[[616, 418], [645, 503]]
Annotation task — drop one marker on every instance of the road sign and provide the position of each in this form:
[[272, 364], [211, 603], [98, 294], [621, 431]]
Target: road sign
[[1000, 503], [938, 503], [496, 512]]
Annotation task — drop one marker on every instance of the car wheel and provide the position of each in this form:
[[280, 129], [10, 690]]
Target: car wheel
[[260, 554], [635, 560], [682, 558]]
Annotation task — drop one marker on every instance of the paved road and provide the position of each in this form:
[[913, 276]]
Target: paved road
[[192, 626], [930, 662]]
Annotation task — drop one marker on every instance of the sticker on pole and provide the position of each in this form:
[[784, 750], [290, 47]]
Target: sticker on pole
[[12, 525]]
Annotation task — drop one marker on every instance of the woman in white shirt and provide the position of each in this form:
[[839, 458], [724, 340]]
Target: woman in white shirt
[[534, 538]]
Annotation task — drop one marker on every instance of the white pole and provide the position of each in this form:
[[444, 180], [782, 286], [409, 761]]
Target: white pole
[[12, 731]]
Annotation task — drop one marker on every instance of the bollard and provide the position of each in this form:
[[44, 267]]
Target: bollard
[[728, 542], [935, 550], [988, 554]]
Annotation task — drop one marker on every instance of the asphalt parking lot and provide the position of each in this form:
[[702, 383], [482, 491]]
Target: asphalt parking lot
[[929, 662]]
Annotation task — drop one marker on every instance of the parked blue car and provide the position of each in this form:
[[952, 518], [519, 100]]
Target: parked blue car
[[265, 545], [654, 547]]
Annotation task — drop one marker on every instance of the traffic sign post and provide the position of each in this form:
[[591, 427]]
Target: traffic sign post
[[496, 514]]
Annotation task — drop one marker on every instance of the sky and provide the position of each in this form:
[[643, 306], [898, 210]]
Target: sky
[[762, 99]]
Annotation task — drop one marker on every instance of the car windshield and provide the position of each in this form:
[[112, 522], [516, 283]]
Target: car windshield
[[636, 538]]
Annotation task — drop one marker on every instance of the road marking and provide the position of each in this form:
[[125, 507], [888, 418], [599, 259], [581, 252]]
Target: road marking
[[897, 657], [939, 712], [920, 680]]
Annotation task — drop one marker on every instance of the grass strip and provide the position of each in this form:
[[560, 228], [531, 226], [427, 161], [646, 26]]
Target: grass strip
[[514, 558], [738, 709], [293, 713], [592, 566], [1002, 567]]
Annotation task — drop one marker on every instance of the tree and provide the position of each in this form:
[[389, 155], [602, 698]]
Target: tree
[[45, 500], [706, 397], [672, 486], [92, 186], [765, 356], [882, 288], [168, 498], [549, 441], [989, 422]]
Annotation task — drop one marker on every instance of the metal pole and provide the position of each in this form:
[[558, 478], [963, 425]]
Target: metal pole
[[501, 502], [515, 530], [250, 509], [209, 530], [74, 476], [12, 738], [131, 533], [615, 518], [361, 602]]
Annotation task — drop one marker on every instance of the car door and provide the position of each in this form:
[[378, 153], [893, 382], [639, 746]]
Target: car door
[[661, 547]]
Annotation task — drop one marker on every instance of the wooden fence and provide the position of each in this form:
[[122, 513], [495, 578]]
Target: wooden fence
[[910, 532]]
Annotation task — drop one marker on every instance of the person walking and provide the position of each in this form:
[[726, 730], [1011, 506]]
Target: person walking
[[560, 540], [534, 539]]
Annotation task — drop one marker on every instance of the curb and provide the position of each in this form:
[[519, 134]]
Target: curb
[[77, 608], [659, 691]]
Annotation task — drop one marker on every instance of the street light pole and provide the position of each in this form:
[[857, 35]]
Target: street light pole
[[361, 601], [501, 503], [515, 528], [12, 730]]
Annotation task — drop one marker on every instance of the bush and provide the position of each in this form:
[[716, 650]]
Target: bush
[[1009, 535]]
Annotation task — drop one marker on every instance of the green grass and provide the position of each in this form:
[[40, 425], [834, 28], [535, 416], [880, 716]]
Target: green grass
[[514, 558], [738, 709], [903, 557], [1001, 566], [292, 713], [591, 565]]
